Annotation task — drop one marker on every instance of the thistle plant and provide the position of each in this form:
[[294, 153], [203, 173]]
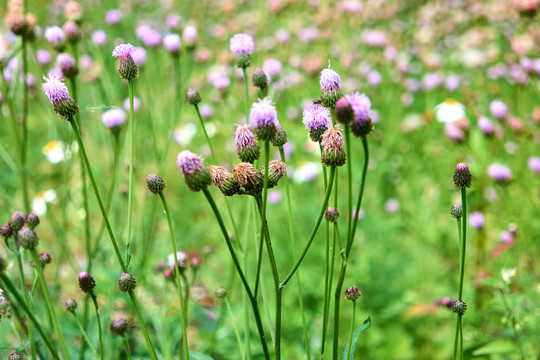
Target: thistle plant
[[241, 46]]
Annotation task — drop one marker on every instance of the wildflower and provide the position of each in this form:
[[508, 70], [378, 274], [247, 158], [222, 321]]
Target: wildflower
[[449, 111], [462, 176], [64, 105], [136, 104], [185, 133], [332, 214], [344, 112], [195, 173], [6, 231], [206, 111], [224, 180], [15, 356], [221, 292], [486, 126], [16, 221], [193, 97], [32, 220], [119, 326], [172, 43], [332, 143], [274, 196], [534, 164], [155, 184], [44, 259], [246, 144], [456, 211], [73, 11], [260, 79], [173, 21], [127, 68], [263, 117], [500, 173], [242, 45], [476, 219], [459, 307], [152, 38], [181, 256], [71, 30], [352, 293], [70, 305], [306, 171], [316, 118], [392, 206], [374, 77], [139, 56], [99, 37], [330, 87], [508, 274], [113, 16], [15, 22], [126, 282], [67, 64], [56, 36], [114, 119], [454, 132], [250, 178], [361, 105], [452, 82], [276, 171], [86, 282], [39, 203], [498, 109], [272, 67], [189, 35], [28, 238], [43, 56]]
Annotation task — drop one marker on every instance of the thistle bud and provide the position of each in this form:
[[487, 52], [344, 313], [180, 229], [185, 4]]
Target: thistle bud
[[193, 97], [27, 238], [15, 356], [330, 87], [332, 148], [277, 170], [459, 307], [119, 326], [86, 282], [6, 231], [332, 214], [155, 184], [64, 105], [456, 211], [67, 64], [361, 129], [316, 118], [195, 173], [126, 282], [32, 220], [44, 259], [462, 176], [352, 293], [250, 178], [344, 112], [246, 144], [16, 221], [221, 292], [70, 305], [280, 139], [127, 68], [224, 180], [259, 79]]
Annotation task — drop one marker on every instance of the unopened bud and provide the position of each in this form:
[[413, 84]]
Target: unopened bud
[[462, 176], [119, 326], [28, 238], [352, 293], [260, 79], [221, 292], [70, 305], [456, 211], [459, 307], [16, 222], [332, 214], [126, 282], [193, 97], [86, 282], [32, 220], [155, 183]]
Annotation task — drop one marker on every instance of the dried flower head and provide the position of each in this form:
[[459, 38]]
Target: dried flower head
[[246, 144], [155, 183], [332, 144], [119, 326], [127, 68], [316, 118], [55, 89], [28, 238], [250, 178], [277, 169], [462, 176], [352, 293], [126, 282], [86, 282], [195, 173], [263, 116], [224, 180]]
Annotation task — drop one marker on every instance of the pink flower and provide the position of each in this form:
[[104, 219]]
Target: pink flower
[[123, 51], [241, 44], [55, 89], [330, 80], [360, 104], [189, 163]]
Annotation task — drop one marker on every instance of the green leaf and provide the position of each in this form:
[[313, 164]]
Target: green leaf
[[365, 325], [495, 347], [193, 355]]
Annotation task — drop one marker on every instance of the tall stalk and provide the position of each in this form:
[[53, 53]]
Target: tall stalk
[[131, 159], [24, 144], [246, 92]]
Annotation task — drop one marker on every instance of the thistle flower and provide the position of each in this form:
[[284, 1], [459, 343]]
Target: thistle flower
[[263, 116], [476, 219], [330, 87], [189, 35], [16, 221], [344, 112], [534, 164], [113, 16], [332, 214], [126, 282], [242, 46], [119, 326], [462, 176], [486, 126], [14, 21], [44, 259], [127, 68], [332, 148], [361, 105], [43, 56], [459, 307], [73, 11], [221, 292], [456, 211], [259, 79], [86, 282], [172, 43], [500, 173], [277, 169], [28, 238], [6, 232], [15, 356], [195, 173], [66, 63], [99, 37], [64, 105], [498, 109], [250, 178], [193, 97], [70, 305], [352, 293], [316, 118], [224, 180], [56, 36], [155, 184], [114, 119], [272, 67], [71, 30], [246, 144]]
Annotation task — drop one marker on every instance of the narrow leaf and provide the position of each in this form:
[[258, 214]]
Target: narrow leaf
[[365, 325]]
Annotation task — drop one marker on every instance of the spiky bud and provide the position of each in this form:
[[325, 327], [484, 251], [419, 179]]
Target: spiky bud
[[86, 282], [332, 148], [243, 61], [126, 282], [16, 221], [259, 79], [456, 211], [195, 173], [70, 305], [155, 184], [55, 89], [6, 231], [277, 169], [250, 178], [193, 97], [352, 293], [221, 292], [246, 144], [32, 220], [119, 326], [224, 180], [362, 128], [280, 139], [344, 112], [44, 259], [127, 68], [332, 214], [15, 356], [28, 238], [459, 307], [462, 176]]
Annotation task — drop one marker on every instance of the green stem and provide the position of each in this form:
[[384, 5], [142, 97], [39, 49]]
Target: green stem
[[246, 91], [131, 157], [350, 239], [126, 346], [514, 323], [262, 210], [100, 331], [143, 326], [349, 178], [177, 274], [24, 291], [235, 328], [24, 148], [85, 335], [352, 329], [205, 133], [8, 284], [293, 249], [463, 243], [252, 299], [52, 313], [456, 337], [315, 228]]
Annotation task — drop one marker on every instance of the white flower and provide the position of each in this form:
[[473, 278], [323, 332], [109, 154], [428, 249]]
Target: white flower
[[185, 133], [54, 151], [508, 274], [180, 255], [39, 203], [449, 111]]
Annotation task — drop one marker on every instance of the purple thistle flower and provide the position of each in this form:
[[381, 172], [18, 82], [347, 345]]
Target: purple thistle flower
[[498, 109], [452, 82], [189, 34], [241, 44], [99, 37], [330, 80], [114, 119], [136, 103], [123, 51], [43, 57], [139, 56], [206, 110], [55, 89], [431, 81], [316, 118], [152, 38], [534, 164], [272, 67], [476, 219], [263, 117], [54, 34], [486, 126], [361, 105], [500, 173], [189, 163], [454, 132], [172, 43], [173, 21], [113, 16], [244, 138], [374, 77], [67, 64], [127, 68]]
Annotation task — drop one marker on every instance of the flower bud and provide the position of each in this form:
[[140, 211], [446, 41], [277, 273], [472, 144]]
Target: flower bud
[[246, 144], [28, 238], [6, 231], [277, 169], [126, 282], [259, 79], [459, 307], [344, 112], [119, 326], [86, 282], [71, 29], [127, 68], [155, 184], [456, 211], [193, 97], [70, 305], [352, 293], [195, 173], [221, 292], [250, 178], [32, 220], [15, 356], [224, 180], [195, 263], [332, 148], [462, 176], [332, 214], [280, 139], [67, 64], [44, 259], [15, 22], [16, 221]]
